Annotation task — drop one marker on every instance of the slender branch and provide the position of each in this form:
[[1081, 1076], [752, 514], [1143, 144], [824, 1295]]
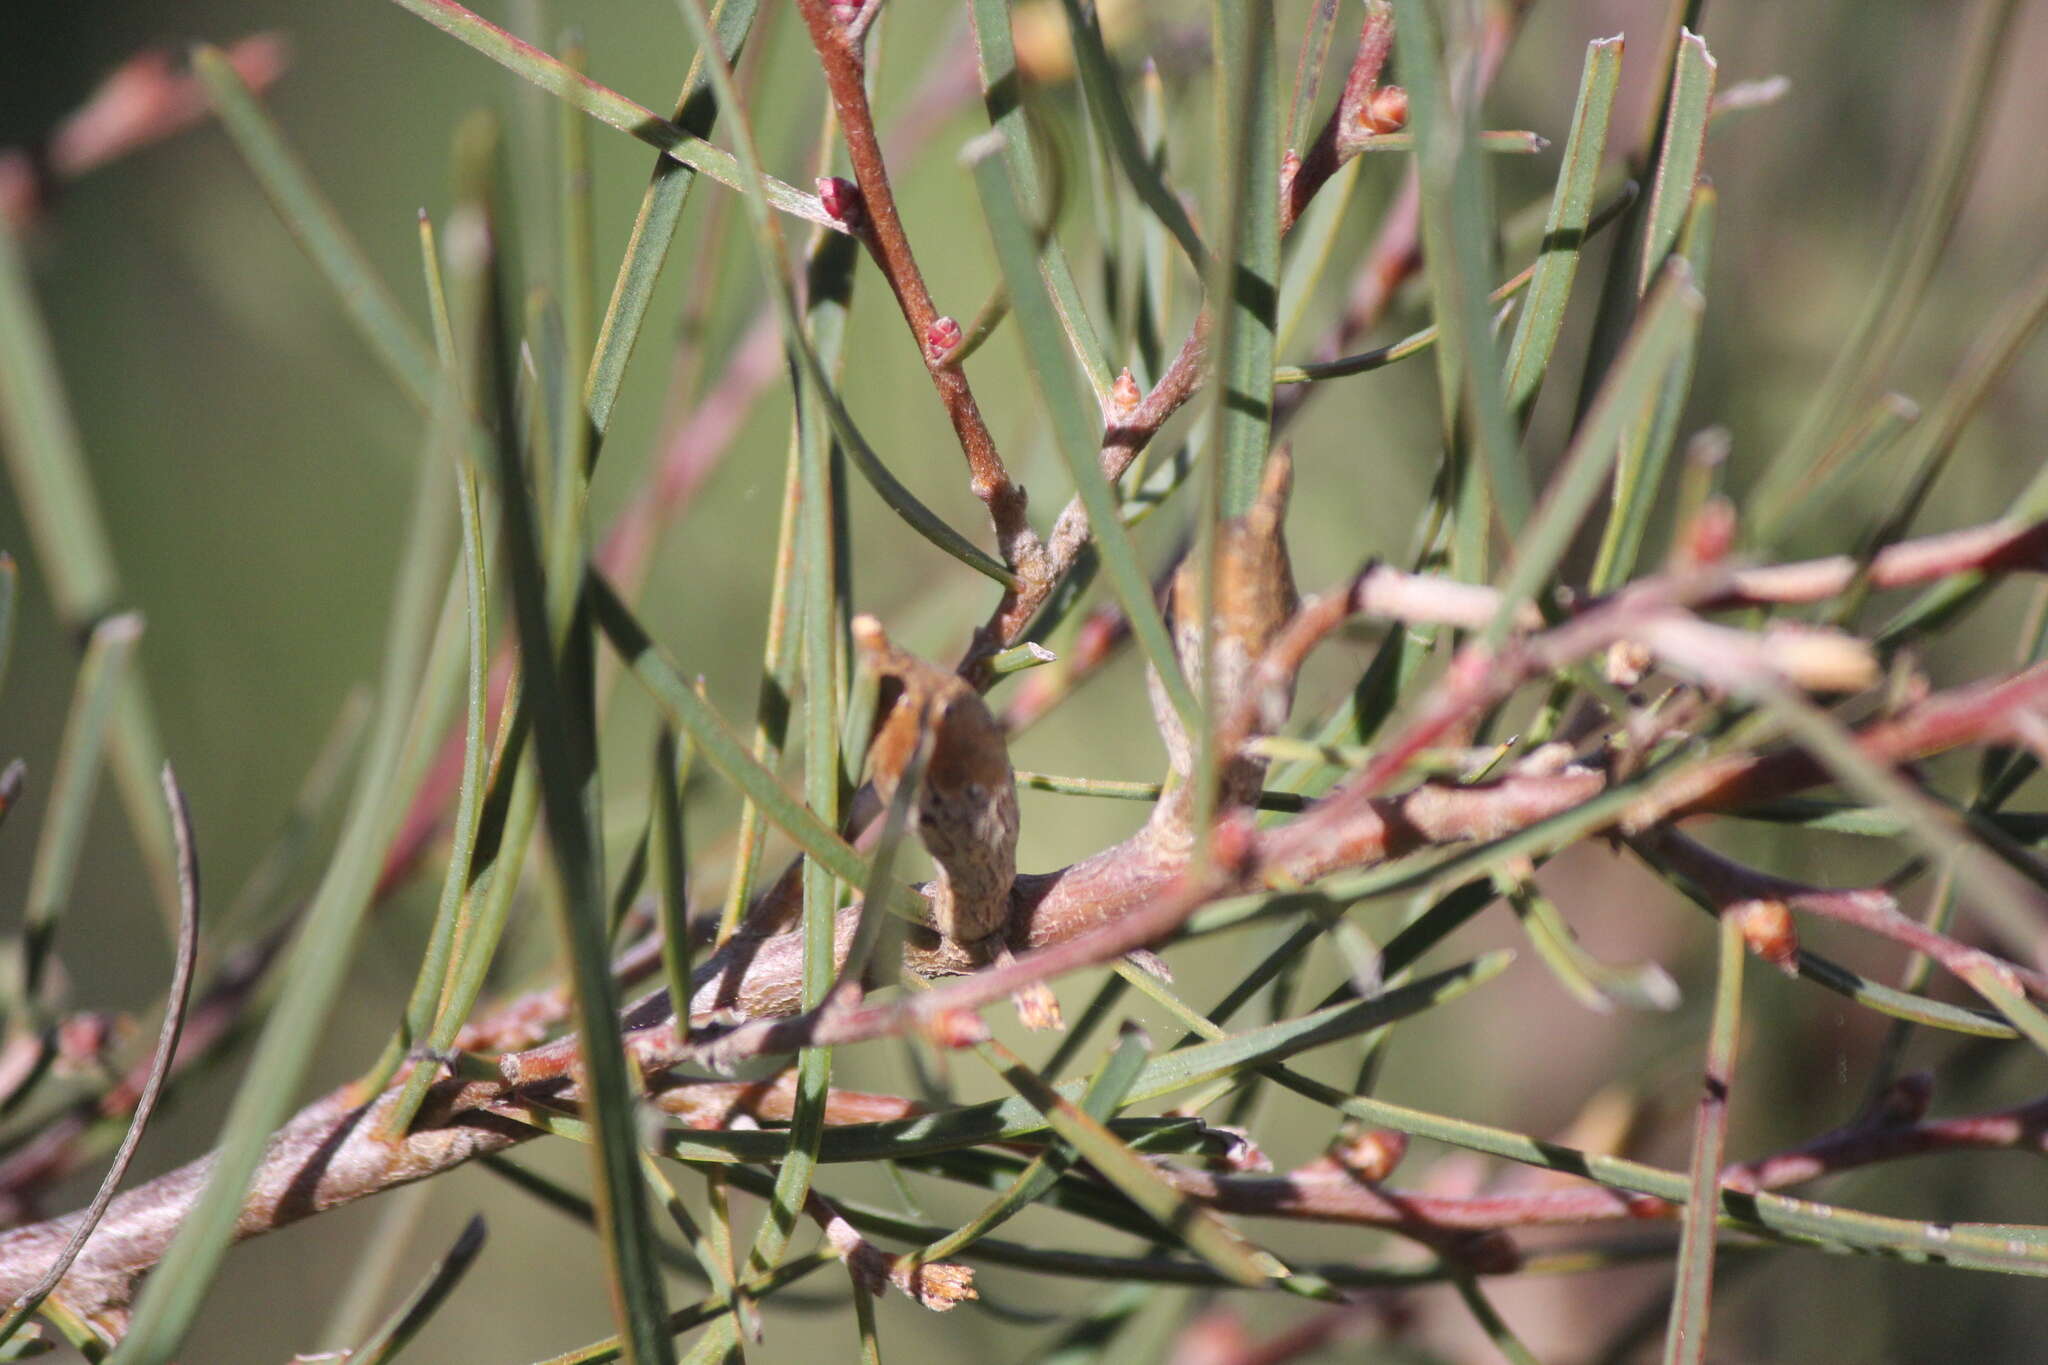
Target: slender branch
[[1129, 896], [1999, 546], [2022, 1128], [1871, 909], [1326, 153], [881, 229], [159, 1067]]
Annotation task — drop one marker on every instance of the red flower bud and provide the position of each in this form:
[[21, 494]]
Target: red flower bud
[[941, 335], [842, 201]]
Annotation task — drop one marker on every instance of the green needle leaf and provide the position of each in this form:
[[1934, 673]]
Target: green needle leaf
[[1566, 228], [404, 1324], [298, 201], [1244, 282], [607, 105]]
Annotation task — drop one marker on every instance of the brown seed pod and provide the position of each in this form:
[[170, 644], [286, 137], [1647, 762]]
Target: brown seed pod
[[966, 812], [1254, 599]]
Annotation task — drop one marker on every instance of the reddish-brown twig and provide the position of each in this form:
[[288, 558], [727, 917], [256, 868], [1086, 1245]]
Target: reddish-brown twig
[[1125, 897], [1871, 909], [881, 229]]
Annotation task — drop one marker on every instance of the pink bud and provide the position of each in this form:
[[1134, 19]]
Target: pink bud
[[1231, 844], [842, 201], [1385, 111], [955, 1028], [1124, 393], [1712, 533], [941, 335]]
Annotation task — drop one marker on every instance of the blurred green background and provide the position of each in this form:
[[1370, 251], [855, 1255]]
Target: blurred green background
[[253, 465]]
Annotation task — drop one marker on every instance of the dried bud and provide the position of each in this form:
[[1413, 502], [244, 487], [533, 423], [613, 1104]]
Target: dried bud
[[955, 1028], [1385, 111], [938, 1286], [1038, 1008], [1627, 662], [1253, 600], [1487, 1253], [843, 202], [1905, 1100], [844, 12], [941, 335], [1820, 660], [83, 1040], [1125, 394], [1768, 930], [1373, 1154]]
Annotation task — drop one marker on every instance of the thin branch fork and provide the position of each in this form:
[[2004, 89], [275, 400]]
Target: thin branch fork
[[1326, 154], [1393, 257], [1872, 909]]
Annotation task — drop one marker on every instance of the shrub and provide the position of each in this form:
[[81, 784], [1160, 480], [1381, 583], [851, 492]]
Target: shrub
[[1595, 659]]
